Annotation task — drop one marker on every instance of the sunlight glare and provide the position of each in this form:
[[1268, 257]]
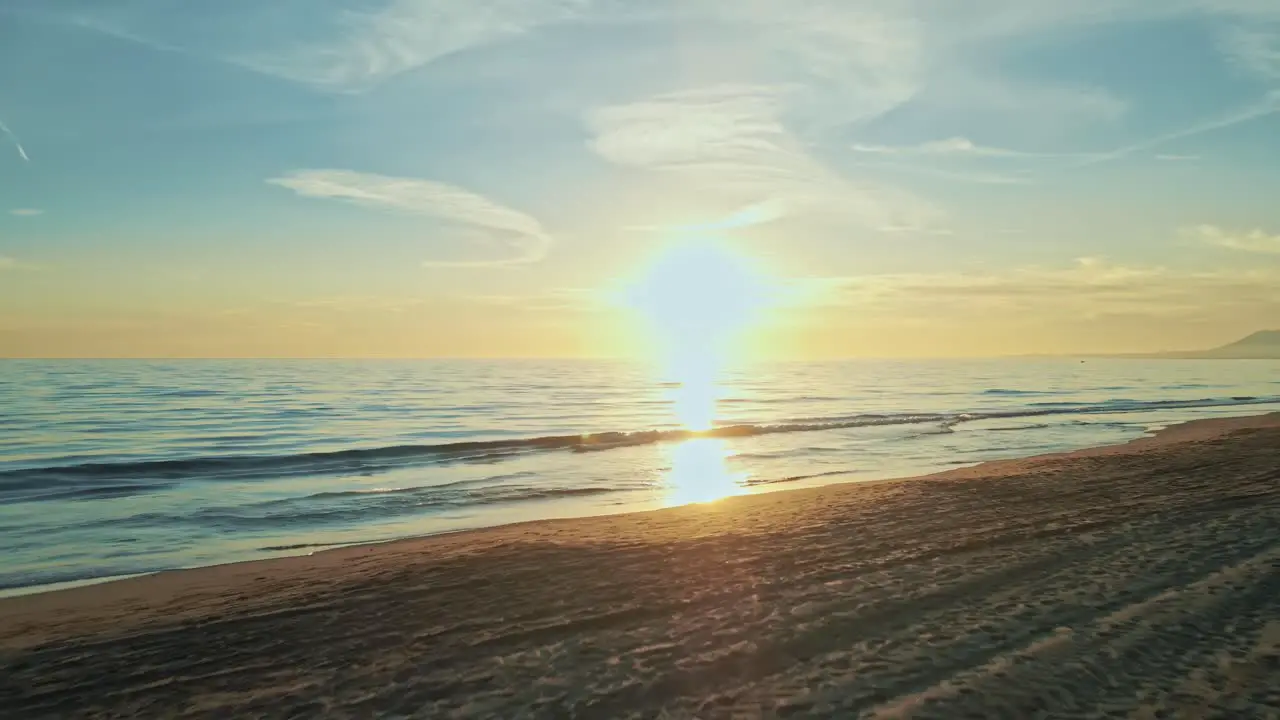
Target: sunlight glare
[[699, 297], [694, 391], [699, 294], [700, 472]]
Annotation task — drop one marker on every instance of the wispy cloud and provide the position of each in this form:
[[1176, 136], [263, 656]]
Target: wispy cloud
[[17, 144], [375, 44], [1254, 47], [1004, 108], [1267, 105], [465, 216], [329, 44], [553, 300], [961, 148], [961, 159], [987, 178], [842, 62], [951, 147], [11, 263], [358, 303], [1253, 241], [26, 212], [729, 141], [1089, 288], [755, 214], [915, 230], [993, 18]]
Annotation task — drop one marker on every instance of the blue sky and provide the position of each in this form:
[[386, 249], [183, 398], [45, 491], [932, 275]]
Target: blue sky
[[430, 177]]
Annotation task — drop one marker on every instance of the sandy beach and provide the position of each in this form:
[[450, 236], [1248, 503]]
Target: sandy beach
[[1136, 581]]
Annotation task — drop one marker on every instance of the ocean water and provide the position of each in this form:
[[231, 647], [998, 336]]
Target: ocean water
[[111, 468]]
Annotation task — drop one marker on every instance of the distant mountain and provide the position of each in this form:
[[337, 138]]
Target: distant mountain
[[1262, 345]]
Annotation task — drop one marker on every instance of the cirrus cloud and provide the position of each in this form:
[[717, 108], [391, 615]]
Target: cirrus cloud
[[729, 141], [954, 146], [1091, 287], [464, 215], [1254, 241], [372, 45], [17, 144]]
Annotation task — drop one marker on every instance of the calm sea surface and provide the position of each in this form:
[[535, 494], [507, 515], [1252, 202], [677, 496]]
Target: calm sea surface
[[112, 468]]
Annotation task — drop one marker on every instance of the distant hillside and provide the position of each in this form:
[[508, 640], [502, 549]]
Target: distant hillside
[[1262, 345]]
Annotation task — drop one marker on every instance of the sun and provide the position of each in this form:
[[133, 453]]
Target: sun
[[699, 293], [699, 297]]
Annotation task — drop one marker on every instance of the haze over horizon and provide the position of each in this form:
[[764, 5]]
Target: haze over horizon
[[416, 178]]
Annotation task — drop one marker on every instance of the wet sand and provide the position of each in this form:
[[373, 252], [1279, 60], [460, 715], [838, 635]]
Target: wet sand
[[1137, 581]]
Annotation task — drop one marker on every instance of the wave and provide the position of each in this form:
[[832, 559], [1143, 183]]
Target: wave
[[53, 482], [184, 393], [99, 492], [303, 546], [339, 509], [797, 478], [790, 400], [804, 451]]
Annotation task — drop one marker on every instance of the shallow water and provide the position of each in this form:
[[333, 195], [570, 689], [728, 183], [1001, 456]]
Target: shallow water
[[120, 467]]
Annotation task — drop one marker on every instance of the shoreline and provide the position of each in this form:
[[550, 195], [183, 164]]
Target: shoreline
[[626, 584], [1191, 430], [640, 507]]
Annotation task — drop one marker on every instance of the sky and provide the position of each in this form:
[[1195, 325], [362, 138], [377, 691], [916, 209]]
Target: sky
[[425, 178]]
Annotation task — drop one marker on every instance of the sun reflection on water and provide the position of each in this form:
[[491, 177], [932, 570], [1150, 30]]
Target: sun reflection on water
[[694, 392], [700, 472], [700, 296], [699, 467]]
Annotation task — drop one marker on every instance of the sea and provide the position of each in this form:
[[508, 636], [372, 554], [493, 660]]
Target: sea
[[112, 468]]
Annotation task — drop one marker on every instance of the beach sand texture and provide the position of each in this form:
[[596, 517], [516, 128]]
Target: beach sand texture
[[1138, 581]]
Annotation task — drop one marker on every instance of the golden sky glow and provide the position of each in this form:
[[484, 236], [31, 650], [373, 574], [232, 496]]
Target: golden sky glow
[[402, 179]]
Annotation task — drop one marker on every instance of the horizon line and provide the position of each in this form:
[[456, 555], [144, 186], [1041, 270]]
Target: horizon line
[[1150, 354]]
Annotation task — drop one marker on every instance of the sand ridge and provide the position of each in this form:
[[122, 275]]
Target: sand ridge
[[1136, 581]]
